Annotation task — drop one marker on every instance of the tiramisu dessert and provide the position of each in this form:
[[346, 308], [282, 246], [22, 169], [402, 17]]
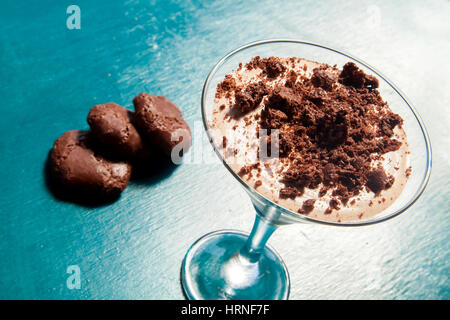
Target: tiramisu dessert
[[315, 139]]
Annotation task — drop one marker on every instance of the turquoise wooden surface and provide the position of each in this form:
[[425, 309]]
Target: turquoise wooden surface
[[132, 249]]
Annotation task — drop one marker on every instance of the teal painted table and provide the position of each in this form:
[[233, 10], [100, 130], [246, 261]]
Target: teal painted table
[[132, 249]]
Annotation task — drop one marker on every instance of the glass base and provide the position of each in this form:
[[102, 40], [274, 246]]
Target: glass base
[[214, 269]]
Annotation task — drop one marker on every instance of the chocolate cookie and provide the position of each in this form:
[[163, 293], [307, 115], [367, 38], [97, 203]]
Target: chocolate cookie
[[113, 126], [78, 167], [162, 123]]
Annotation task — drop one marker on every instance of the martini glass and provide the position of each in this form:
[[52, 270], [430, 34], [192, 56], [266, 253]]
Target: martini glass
[[233, 265]]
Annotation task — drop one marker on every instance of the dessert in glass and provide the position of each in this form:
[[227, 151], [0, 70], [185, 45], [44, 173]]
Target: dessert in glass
[[314, 135]]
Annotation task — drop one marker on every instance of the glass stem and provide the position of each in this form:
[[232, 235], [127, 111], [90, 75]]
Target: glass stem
[[261, 232]]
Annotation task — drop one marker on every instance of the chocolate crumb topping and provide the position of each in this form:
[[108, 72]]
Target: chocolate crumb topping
[[272, 67], [388, 123], [333, 126], [227, 85], [244, 171], [323, 79], [288, 193], [377, 180], [330, 136], [334, 204], [352, 76], [247, 170], [284, 99], [408, 171], [250, 97]]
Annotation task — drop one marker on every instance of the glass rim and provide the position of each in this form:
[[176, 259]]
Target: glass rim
[[284, 211]]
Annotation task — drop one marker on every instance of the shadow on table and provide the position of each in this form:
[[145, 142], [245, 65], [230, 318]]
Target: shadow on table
[[143, 173], [150, 172]]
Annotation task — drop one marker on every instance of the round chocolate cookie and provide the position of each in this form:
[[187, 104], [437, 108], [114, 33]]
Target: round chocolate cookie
[[113, 125], [162, 124], [78, 167]]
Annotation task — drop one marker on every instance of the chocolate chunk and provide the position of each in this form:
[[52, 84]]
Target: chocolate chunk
[[288, 193], [284, 99], [349, 180], [322, 192], [352, 76], [272, 67], [388, 145], [113, 126], [224, 142], [225, 87], [316, 96], [250, 98], [272, 118], [388, 123], [244, 171], [329, 174], [78, 166], [371, 82], [307, 206], [291, 79], [303, 176], [323, 79], [162, 124], [341, 191], [376, 180], [332, 130], [334, 204]]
